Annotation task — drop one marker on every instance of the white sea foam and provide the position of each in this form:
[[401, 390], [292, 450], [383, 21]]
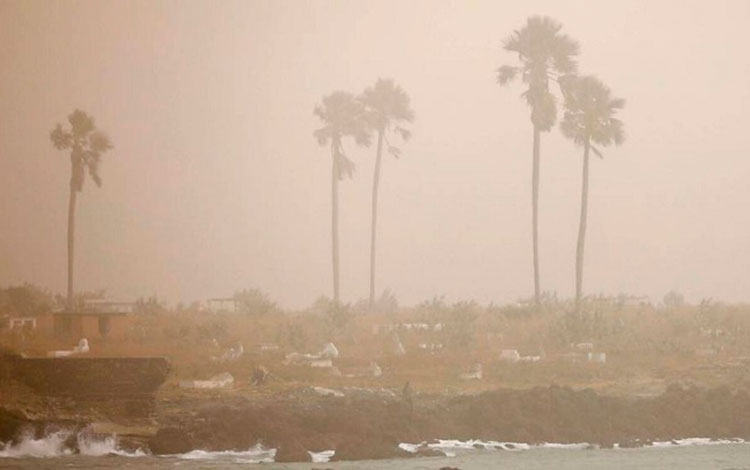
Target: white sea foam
[[696, 441], [54, 444], [452, 447], [322, 457], [51, 445], [255, 454], [411, 448]]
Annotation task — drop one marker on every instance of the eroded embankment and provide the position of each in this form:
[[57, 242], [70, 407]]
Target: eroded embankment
[[371, 426]]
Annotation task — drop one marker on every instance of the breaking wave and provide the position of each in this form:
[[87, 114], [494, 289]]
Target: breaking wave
[[65, 442], [451, 447], [255, 454]]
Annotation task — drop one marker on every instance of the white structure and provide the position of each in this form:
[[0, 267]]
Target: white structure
[[223, 380], [599, 357], [474, 374], [81, 348], [510, 355]]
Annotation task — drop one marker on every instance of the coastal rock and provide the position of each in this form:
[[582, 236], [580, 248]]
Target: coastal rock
[[11, 423], [370, 448], [292, 451], [170, 441]]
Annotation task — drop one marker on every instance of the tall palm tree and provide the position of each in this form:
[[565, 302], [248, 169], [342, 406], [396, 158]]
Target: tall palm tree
[[342, 116], [589, 119], [86, 145], [544, 55], [387, 106]]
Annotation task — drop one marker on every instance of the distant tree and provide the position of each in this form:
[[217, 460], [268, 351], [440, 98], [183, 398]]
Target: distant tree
[[25, 300], [254, 302], [673, 299], [544, 54], [342, 116], [86, 145], [589, 119], [388, 110]]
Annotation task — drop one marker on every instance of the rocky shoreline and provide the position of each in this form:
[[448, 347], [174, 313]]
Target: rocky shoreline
[[366, 424]]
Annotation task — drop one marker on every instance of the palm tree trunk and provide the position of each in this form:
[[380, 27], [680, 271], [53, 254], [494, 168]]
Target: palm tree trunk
[[373, 226], [535, 211], [582, 226], [335, 219], [71, 240]]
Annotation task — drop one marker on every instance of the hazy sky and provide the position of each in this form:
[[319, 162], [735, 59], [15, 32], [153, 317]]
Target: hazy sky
[[217, 184]]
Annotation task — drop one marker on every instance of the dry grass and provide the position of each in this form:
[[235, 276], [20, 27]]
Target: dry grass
[[646, 348]]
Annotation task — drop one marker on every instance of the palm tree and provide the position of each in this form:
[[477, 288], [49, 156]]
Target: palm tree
[[86, 145], [342, 116], [589, 119], [544, 55], [387, 106]]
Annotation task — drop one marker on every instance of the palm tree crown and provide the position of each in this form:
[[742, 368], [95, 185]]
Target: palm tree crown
[[388, 107], [589, 113], [87, 145], [342, 116], [545, 55]]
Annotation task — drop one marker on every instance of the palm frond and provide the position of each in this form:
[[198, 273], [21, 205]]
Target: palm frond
[[344, 166], [404, 133], [590, 113], [60, 139], [395, 151], [506, 74], [81, 123], [99, 142]]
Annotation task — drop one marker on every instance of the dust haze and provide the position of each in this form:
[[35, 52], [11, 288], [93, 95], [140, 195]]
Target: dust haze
[[216, 183]]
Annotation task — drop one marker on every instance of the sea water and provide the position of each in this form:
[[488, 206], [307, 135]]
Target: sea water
[[103, 453]]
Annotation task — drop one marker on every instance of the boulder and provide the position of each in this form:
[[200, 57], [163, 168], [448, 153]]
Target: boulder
[[170, 441]]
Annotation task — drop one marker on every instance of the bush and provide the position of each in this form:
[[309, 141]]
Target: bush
[[254, 302]]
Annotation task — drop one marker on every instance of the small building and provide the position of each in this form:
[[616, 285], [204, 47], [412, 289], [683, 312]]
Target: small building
[[88, 323], [20, 323]]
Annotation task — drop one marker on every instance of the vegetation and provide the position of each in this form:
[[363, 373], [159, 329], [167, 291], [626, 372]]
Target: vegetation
[[86, 145], [388, 110], [545, 55], [647, 346], [589, 119], [342, 115]]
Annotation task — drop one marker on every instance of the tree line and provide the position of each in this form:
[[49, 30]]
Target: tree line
[[546, 59]]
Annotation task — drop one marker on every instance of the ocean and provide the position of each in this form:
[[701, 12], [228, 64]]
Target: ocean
[[686, 454]]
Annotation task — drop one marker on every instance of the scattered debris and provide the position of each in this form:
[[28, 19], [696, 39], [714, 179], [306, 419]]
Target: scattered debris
[[394, 327], [328, 392], [322, 359], [259, 376], [223, 380], [530, 358], [599, 357], [474, 374], [400, 350], [510, 355], [431, 347], [82, 348], [321, 363], [231, 354], [329, 351]]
